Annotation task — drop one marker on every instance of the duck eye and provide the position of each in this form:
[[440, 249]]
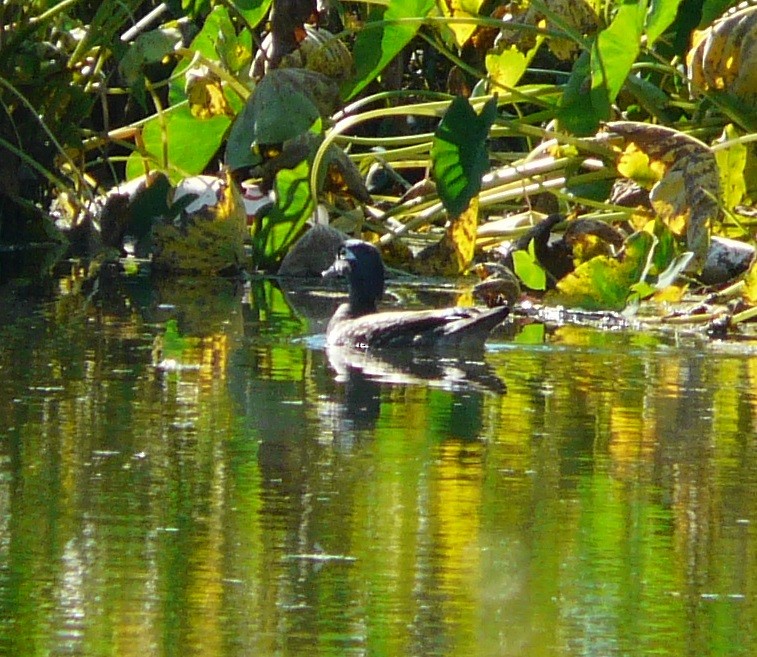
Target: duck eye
[[342, 253]]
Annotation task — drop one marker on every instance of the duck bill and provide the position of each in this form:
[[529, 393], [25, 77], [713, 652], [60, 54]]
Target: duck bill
[[338, 269]]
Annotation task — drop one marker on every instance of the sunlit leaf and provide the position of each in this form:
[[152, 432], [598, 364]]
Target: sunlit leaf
[[507, 67], [215, 26], [750, 285], [461, 232], [671, 294], [639, 291], [205, 94], [660, 18], [459, 157], [605, 283], [207, 239], [572, 18], [636, 165], [453, 254], [190, 143], [277, 230], [253, 11], [731, 164], [722, 61], [665, 250], [460, 9], [669, 200], [528, 269], [614, 51], [381, 40], [686, 197]]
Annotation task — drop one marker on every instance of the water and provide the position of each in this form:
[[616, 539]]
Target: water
[[182, 472]]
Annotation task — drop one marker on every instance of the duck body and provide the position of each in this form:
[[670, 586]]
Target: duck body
[[358, 323]]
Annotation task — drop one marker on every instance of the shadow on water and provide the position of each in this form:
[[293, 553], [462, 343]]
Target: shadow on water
[[185, 469]]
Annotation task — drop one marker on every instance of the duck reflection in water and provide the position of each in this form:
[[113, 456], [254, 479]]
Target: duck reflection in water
[[364, 393], [442, 347]]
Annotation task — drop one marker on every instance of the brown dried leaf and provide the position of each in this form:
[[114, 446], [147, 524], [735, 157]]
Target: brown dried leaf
[[205, 94], [687, 195], [723, 57], [578, 15], [453, 254]]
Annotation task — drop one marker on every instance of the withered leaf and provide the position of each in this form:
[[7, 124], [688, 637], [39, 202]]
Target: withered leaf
[[687, 195]]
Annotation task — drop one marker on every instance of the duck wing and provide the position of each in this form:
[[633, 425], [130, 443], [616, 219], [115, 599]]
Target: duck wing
[[461, 327]]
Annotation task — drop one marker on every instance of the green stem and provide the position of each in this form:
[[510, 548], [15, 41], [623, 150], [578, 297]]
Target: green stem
[[52, 12]]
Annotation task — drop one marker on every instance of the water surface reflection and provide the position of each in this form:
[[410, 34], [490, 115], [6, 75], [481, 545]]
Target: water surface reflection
[[182, 471]]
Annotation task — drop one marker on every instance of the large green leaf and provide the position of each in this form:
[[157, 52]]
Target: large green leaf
[[613, 53], [284, 105], [283, 224], [458, 155], [527, 268], [660, 18], [239, 150], [381, 39], [253, 11], [190, 143], [577, 113]]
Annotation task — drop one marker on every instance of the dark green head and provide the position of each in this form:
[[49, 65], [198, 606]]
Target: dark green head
[[361, 263]]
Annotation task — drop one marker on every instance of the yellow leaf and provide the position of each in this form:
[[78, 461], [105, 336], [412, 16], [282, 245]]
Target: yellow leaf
[[462, 234], [205, 95], [688, 193], [604, 283], [731, 164], [669, 199], [671, 293], [722, 56], [453, 254], [750, 285], [507, 67], [460, 9], [637, 165]]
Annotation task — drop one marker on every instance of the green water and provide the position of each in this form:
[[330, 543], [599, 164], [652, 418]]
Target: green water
[[183, 473]]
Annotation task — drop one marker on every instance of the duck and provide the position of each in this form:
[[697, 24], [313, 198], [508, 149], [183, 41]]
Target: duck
[[359, 323]]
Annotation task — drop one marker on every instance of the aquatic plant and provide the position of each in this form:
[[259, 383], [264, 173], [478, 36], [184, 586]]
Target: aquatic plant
[[502, 115]]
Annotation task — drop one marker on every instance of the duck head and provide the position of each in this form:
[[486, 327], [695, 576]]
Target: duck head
[[361, 263]]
